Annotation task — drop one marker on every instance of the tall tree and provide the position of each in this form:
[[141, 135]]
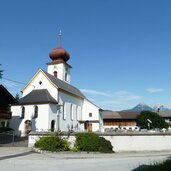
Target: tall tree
[[151, 120]]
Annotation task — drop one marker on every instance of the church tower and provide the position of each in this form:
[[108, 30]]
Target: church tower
[[59, 67]]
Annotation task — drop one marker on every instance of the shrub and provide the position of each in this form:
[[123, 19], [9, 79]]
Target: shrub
[[52, 143], [162, 166], [105, 146], [92, 142]]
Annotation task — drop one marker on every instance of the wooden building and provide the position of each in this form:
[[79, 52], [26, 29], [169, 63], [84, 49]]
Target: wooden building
[[6, 99], [120, 120]]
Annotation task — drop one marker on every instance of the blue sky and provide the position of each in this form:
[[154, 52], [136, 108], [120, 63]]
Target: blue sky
[[120, 50]]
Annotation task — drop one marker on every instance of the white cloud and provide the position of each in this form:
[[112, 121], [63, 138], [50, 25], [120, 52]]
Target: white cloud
[[94, 92], [126, 96], [154, 90]]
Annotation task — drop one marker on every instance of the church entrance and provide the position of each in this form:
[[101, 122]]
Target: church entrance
[[27, 126]]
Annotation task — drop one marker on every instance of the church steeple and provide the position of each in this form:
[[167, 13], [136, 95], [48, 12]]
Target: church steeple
[[59, 53], [58, 67]]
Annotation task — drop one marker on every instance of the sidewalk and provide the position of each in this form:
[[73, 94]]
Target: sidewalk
[[7, 152]]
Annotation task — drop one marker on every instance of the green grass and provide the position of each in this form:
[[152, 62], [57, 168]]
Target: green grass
[[162, 166]]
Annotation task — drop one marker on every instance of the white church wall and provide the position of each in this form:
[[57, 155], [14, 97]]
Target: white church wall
[[45, 84], [41, 123], [38, 124], [53, 115], [90, 112], [68, 115], [61, 69]]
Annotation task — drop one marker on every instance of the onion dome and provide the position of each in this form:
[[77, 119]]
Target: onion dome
[[59, 53]]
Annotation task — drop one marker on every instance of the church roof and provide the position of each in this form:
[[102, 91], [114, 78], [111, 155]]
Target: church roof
[[65, 86], [37, 97]]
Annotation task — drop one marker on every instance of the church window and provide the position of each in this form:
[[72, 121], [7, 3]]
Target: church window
[[64, 110], [52, 126], [40, 82], [22, 112], [90, 114], [78, 112], [71, 113], [55, 73], [35, 111], [66, 76]]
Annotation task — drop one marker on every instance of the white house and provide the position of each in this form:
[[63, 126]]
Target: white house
[[50, 102]]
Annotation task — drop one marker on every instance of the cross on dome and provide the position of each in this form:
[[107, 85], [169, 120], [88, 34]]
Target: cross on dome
[[60, 38]]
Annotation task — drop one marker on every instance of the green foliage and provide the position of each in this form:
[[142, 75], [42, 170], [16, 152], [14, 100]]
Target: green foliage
[[5, 129], [105, 146], [52, 143], [92, 142], [163, 166], [156, 119]]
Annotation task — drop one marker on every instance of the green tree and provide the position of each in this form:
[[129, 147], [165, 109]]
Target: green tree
[[151, 120], [17, 97]]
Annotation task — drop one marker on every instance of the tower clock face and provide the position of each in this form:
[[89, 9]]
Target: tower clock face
[[55, 67]]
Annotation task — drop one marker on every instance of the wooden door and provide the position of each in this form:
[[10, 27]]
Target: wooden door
[[90, 127]]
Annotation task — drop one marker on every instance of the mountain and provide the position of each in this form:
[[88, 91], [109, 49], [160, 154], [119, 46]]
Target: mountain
[[141, 107]]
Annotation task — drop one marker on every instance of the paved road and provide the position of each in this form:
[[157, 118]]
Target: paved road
[[22, 159]]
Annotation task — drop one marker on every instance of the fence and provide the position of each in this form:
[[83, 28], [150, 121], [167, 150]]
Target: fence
[[7, 138]]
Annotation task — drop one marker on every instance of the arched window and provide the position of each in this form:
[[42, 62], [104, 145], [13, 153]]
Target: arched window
[[66, 76], [78, 110], [35, 111], [64, 111], [52, 126], [71, 113], [22, 112], [55, 73]]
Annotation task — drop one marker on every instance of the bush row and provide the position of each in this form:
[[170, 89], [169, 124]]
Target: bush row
[[89, 142]]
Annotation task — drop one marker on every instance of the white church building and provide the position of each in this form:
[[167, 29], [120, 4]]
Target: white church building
[[49, 102]]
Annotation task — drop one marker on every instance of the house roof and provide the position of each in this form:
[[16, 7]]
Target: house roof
[[62, 85], [5, 95], [41, 96], [119, 115]]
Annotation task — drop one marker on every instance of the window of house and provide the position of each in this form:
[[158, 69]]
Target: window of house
[[90, 114], [35, 111], [22, 112]]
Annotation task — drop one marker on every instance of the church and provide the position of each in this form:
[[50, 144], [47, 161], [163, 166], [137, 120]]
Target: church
[[50, 103]]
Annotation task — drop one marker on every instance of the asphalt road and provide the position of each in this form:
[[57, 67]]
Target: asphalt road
[[22, 159]]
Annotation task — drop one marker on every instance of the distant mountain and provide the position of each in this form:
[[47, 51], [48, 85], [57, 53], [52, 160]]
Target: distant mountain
[[141, 107]]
